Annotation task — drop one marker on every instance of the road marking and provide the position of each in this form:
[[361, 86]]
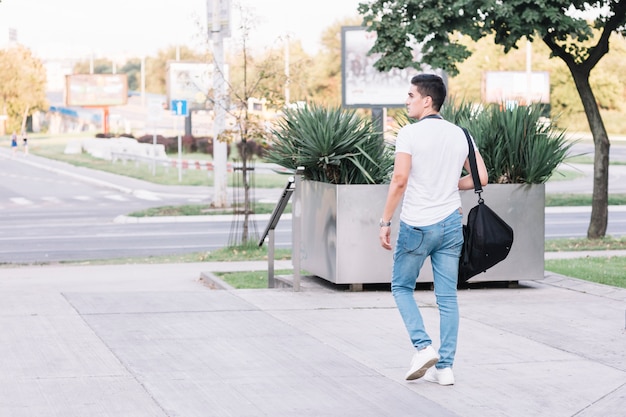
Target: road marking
[[146, 195], [21, 201], [116, 197]]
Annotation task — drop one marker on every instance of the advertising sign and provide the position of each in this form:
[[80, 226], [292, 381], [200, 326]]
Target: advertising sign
[[96, 90], [363, 86], [516, 86], [191, 81]]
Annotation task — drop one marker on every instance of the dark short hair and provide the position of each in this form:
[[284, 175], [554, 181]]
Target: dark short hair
[[431, 85]]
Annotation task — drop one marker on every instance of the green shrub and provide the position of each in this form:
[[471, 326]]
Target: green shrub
[[516, 143], [333, 145]]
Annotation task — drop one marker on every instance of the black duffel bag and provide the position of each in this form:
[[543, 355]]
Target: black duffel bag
[[487, 238]]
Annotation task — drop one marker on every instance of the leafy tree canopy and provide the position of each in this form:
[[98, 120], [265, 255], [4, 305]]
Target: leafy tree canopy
[[22, 86], [561, 24], [565, 26]]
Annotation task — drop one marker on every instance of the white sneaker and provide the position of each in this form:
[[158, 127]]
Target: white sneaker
[[422, 360], [442, 376]]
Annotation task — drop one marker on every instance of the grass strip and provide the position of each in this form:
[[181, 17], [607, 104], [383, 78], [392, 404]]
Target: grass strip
[[565, 200], [249, 279], [202, 210], [584, 244], [601, 270]]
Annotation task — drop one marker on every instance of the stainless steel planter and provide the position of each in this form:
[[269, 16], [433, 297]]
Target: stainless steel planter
[[339, 231], [522, 206]]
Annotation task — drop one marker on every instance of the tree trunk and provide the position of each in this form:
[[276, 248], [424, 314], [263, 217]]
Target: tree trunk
[[24, 119], [600, 200]]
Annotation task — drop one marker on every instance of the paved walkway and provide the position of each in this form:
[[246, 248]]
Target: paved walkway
[[153, 340]]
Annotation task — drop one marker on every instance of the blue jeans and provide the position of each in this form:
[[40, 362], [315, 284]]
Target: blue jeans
[[442, 242]]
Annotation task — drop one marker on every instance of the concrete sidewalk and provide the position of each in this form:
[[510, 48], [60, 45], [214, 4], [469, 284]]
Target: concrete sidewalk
[[152, 340]]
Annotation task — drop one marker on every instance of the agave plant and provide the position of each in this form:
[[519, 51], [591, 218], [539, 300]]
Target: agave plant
[[333, 145], [520, 146], [517, 144]]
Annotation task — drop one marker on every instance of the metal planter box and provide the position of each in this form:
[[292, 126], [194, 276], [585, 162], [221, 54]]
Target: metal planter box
[[338, 231], [522, 206]]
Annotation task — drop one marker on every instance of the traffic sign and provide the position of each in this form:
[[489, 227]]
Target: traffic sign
[[179, 108]]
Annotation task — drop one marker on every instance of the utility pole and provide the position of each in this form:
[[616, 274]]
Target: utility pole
[[219, 107], [529, 73], [287, 79]]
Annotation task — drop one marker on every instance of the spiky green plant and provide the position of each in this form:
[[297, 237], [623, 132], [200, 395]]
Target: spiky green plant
[[333, 145], [517, 144]]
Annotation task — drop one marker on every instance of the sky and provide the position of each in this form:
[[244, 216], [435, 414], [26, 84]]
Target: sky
[[124, 28]]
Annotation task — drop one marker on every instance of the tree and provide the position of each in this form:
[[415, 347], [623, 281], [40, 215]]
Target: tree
[[132, 69], [325, 80], [560, 24], [22, 86], [250, 78], [100, 66]]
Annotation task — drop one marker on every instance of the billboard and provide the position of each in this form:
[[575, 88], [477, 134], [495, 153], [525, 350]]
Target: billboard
[[191, 81], [95, 90], [363, 86], [516, 86]]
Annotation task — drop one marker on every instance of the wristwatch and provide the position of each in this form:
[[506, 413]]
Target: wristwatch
[[385, 224]]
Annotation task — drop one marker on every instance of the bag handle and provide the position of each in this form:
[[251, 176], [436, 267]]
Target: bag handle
[[478, 189]]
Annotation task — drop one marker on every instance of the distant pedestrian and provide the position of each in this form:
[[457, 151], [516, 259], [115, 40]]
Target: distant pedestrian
[[25, 143], [14, 143]]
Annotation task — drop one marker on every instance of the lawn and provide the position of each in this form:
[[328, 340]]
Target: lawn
[[601, 270]]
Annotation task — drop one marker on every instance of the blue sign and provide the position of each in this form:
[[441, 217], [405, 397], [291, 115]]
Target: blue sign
[[179, 107]]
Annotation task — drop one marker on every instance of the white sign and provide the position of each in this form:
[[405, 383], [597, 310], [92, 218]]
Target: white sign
[[518, 86], [363, 86], [191, 81], [155, 109]]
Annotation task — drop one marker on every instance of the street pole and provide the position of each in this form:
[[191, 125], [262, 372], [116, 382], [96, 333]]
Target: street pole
[[219, 110], [287, 79], [529, 73], [179, 143]]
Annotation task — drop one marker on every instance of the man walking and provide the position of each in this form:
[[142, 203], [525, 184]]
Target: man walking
[[430, 156]]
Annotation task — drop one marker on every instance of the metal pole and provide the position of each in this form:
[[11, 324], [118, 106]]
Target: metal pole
[[143, 80], [529, 73], [296, 226], [220, 153], [287, 80], [378, 118], [154, 143], [271, 283], [180, 152]]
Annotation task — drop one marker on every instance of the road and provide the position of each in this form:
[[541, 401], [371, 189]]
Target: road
[[55, 215], [48, 216]]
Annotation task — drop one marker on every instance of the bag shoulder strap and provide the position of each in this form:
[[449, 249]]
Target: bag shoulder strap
[[478, 189]]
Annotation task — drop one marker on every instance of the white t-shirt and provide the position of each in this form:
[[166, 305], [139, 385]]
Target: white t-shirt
[[438, 151]]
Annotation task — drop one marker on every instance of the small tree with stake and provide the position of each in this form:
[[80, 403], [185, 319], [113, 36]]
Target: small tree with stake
[[249, 127]]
